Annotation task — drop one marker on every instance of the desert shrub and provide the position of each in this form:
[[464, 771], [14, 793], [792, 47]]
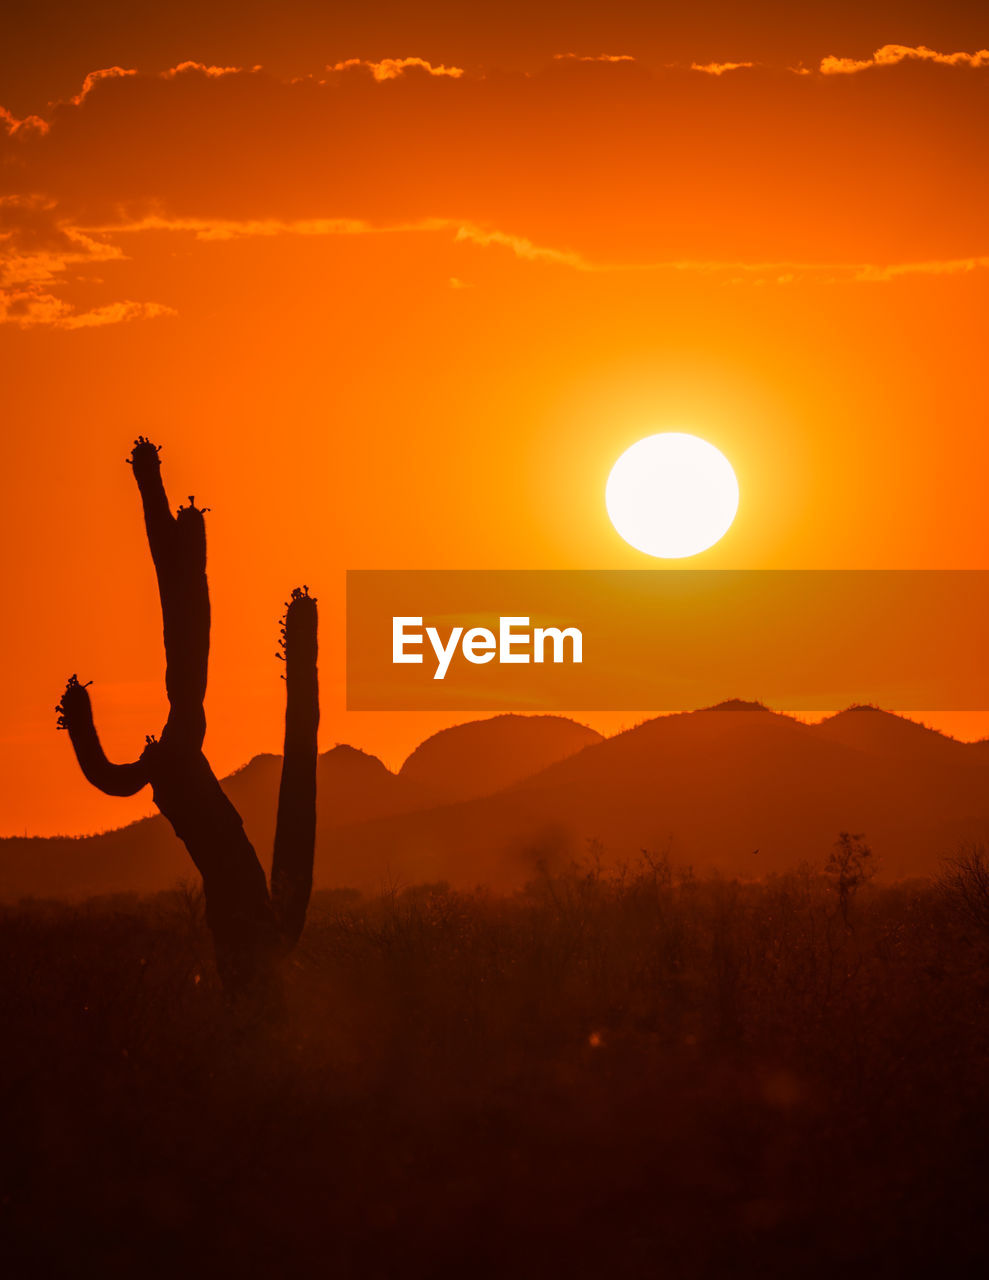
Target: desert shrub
[[623, 1073], [964, 881]]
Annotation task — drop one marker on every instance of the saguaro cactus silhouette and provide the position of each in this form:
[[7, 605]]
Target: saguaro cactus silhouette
[[251, 926]]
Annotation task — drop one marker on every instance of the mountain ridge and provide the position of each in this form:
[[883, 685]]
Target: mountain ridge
[[707, 786]]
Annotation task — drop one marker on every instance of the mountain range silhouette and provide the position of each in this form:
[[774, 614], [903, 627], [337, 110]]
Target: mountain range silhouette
[[736, 788]]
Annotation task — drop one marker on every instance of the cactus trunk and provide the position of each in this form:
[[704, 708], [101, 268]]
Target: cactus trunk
[[251, 927]]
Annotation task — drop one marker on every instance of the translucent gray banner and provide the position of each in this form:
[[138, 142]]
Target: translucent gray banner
[[645, 640]]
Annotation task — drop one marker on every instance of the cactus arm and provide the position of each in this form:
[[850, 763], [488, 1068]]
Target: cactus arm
[[76, 715], [178, 549], [295, 832], [158, 519]]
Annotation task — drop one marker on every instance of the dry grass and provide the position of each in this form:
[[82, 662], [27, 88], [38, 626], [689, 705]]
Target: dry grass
[[641, 1075]]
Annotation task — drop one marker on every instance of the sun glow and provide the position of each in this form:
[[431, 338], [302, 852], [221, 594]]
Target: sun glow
[[672, 495]]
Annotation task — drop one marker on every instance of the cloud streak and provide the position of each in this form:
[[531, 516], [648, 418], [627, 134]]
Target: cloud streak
[[763, 177], [890, 55], [784, 271], [12, 127], [29, 310], [718, 68], [593, 57], [521, 247], [97, 77], [37, 251], [392, 68]]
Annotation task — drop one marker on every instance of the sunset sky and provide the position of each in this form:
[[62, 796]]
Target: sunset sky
[[395, 289]]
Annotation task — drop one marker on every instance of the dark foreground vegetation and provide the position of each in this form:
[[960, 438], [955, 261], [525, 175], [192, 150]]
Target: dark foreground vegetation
[[644, 1075]]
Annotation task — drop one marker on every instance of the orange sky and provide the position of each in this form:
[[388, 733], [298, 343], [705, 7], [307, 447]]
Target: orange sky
[[383, 316]]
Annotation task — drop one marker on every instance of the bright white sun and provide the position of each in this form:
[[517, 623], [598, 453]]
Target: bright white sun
[[672, 495]]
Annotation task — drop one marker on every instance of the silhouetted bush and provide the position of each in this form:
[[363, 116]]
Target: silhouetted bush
[[639, 1074]]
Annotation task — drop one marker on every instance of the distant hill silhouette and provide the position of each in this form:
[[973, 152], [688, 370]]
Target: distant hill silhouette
[[870, 729], [352, 786], [734, 787], [471, 759], [483, 756], [737, 787]]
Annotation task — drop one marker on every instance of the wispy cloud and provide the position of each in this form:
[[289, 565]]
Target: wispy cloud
[[234, 229], [35, 247], [593, 57], [891, 54], [872, 272], [785, 271], [96, 77], [211, 72], [790, 272], [207, 229], [718, 68], [32, 309], [781, 273], [392, 68], [11, 126], [133, 155], [521, 247], [37, 251], [172, 73]]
